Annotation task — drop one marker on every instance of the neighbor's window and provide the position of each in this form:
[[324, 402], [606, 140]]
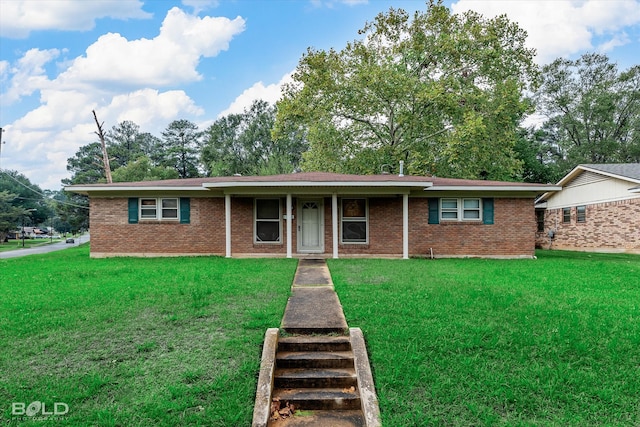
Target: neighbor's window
[[540, 220], [566, 215], [148, 208], [460, 209], [168, 209], [581, 214], [354, 221], [267, 221]]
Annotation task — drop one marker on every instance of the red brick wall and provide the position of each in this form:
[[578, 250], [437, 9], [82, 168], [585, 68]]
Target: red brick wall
[[511, 235], [385, 229], [609, 227], [112, 234]]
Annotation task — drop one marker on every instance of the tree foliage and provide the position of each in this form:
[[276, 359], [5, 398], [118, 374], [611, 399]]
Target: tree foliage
[[442, 92], [180, 148], [592, 110], [143, 170], [243, 143]]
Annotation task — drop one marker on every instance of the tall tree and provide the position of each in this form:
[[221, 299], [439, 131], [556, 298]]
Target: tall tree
[[243, 143], [443, 92], [27, 196], [125, 144], [592, 109], [86, 165], [9, 214], [181, 148]]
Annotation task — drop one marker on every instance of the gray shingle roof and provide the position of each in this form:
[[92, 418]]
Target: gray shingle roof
[[628, 170]]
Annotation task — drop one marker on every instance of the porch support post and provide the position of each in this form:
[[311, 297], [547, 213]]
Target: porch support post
[[289, 222], [227, 223], [334, 223], [405, 226]]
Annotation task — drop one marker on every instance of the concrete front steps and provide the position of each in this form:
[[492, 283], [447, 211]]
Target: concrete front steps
[[317, 375]]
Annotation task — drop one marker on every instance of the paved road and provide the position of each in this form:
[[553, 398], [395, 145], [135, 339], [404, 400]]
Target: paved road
[[44, 249]]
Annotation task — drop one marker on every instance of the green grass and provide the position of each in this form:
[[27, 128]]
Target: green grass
[[177, 341], [469, 342], [137, 342]]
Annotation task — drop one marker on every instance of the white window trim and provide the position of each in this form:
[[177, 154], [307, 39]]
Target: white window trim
[[158, 208], [255, 221], [460, 209], [355, 219]]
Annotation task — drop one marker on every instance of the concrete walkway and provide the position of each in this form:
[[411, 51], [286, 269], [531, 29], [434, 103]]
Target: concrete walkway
[[313, 307], [45, 248]]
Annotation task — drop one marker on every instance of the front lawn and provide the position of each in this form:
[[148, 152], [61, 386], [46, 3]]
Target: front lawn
[[136, 342], [177, 341], [468, 342]]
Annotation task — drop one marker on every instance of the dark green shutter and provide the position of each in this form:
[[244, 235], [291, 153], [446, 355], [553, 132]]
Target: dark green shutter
[[487, 211], [185, 210], [434, 210], [133, 210]]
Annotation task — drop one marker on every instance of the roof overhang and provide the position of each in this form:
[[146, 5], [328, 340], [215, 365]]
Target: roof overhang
[[508, 188]]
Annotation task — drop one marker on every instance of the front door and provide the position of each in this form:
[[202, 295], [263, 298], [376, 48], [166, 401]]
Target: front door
[[310, 226]]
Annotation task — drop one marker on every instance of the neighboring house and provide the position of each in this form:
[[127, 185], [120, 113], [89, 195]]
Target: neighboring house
[[318, 214], [597, 210]]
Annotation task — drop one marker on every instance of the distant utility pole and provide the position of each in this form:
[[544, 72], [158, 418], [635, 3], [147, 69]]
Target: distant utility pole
[[105, 156]]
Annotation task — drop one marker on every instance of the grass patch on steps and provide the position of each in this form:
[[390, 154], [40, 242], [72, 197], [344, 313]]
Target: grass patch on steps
[[551, 341]]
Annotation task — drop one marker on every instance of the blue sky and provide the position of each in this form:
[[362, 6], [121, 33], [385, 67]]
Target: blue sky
[[156, 61]]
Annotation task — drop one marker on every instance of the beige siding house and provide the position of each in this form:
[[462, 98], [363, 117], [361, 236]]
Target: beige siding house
[[598, 209]]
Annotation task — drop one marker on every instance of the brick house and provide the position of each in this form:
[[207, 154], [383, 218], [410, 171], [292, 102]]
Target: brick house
[[318, 214], [597, 210]]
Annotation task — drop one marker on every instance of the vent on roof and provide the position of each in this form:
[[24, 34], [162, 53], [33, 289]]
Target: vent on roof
[[585, 178]]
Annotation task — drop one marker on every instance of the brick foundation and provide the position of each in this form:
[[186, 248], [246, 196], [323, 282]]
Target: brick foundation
[[609, 227]]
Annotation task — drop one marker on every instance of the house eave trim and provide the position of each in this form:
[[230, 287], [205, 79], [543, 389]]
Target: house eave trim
[[532, 189]]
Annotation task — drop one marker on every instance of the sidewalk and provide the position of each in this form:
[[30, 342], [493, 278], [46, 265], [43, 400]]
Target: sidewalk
[[313, 307]]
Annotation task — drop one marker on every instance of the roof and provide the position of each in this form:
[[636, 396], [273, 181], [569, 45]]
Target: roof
[[312, 179], [624, 171], [629, 171]]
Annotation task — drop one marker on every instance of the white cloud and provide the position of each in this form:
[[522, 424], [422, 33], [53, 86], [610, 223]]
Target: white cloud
[[150, 109], [200, 5], [169, 58], [28, 75], [118, 78], [270, 93], [332, 3], [562, 28], [20, 17]]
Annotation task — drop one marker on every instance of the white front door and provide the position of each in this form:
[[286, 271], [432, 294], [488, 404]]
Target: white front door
[[310, 225]]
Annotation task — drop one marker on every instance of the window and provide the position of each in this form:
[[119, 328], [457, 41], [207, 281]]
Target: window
[[470, 208], [581, 214], [168, 209], [449, 209], [540, 220], [460, 210], [566, 215], [268, 223], [148, 208], [354, 221]]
